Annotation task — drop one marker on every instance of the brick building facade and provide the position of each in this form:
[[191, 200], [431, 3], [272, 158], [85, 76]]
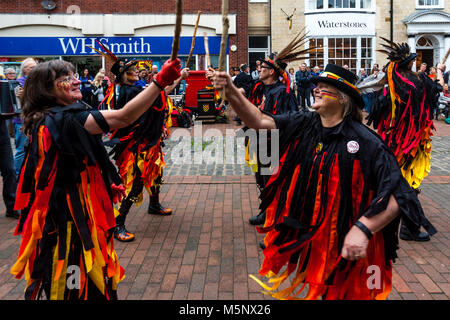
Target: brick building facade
[[24, 20]]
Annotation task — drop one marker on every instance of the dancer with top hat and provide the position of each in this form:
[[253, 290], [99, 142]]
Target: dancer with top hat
[[333, 206], [137, 148]]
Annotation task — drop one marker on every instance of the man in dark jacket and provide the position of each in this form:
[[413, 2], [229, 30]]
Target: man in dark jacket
[[303, 80], [243, 79]]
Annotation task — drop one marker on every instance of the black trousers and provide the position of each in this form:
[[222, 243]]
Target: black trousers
[[7, 167], [304, 94], [136, 189]]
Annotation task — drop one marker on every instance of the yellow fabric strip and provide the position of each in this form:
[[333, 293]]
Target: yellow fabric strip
[[58, 287]]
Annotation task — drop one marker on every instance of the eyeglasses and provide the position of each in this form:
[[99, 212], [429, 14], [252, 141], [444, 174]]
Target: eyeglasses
[[68, 79]]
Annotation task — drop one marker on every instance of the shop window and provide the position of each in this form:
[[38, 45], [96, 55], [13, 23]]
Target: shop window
[[343, 51], [316, 56], [366, 54]]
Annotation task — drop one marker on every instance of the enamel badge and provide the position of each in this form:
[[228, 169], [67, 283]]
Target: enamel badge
[[352, 147]]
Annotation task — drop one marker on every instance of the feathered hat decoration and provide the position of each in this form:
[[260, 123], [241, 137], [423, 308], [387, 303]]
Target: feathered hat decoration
[[397, 52], [120, 65], [294, 51]]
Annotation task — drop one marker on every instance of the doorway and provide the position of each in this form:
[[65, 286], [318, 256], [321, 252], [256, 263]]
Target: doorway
[[425, 46], [425, 55]]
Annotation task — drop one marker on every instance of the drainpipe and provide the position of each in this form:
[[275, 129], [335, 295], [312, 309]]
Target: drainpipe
[[391, 21]]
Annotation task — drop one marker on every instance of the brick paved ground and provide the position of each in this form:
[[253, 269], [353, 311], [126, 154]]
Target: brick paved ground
[[206, 249]]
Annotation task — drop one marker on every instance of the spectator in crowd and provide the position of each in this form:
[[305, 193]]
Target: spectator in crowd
[[103, 71], [100, 87], [7, 171], [362, 74], [444, 103], [86, 86], [154, 70], [314, 73], [143, 74], [20, 139], [235, 71], [292, 79], [370, 85], [255, 73], [243, 79], [423, 68], [10, 74], [432, 73], [303, 81]]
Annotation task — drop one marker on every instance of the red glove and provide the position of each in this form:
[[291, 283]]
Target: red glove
[[170, 72], [118, 192]]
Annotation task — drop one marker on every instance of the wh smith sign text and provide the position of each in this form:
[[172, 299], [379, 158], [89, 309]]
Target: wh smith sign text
[[74, 46]]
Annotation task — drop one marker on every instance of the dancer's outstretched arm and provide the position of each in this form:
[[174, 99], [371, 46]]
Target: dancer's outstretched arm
[[248, 113]]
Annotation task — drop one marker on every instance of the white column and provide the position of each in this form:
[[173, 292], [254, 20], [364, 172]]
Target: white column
[[446, 47], [412, 46]]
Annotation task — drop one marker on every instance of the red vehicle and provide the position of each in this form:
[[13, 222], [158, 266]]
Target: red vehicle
[[197, 99]]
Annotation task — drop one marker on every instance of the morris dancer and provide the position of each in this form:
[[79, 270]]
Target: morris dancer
[[68, 184], [403, 117], [333, 206]]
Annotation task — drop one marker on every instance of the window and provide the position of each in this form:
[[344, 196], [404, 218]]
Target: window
[[427, 4], [343, 51], [316, 57], [366, 54], [258, 49], [340, 4]]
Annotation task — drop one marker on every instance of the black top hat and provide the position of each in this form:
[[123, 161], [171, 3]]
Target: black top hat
[[122, 65], [343, 80]]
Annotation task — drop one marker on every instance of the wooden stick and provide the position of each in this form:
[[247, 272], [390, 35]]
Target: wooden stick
[[446, 56], [208, 58], [193, 40], [224, 40], [176, 37]]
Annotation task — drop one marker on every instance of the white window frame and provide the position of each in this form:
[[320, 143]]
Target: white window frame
[[440, 5], [358, 49], [372, 7], [256, 1]]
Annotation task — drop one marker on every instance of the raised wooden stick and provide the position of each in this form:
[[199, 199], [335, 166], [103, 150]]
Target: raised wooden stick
[[208, 58], [224, 40], [176, 37], [446, 56], [193, 39]]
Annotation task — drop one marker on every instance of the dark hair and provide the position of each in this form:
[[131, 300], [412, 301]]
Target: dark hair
[[38, 95]]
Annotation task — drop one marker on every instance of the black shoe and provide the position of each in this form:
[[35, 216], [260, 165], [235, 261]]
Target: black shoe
[[13, 214], [258, 220], [262, 245], [158, 209], [420, 237], [122, 234]]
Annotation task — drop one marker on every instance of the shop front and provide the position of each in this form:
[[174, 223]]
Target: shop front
[[342, 39], [147, 37]]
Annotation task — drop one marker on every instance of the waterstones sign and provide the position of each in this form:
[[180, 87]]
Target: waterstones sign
[[76, 46], [340, 24]]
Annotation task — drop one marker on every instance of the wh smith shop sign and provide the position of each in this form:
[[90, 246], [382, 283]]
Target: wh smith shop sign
[[79, 46]]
